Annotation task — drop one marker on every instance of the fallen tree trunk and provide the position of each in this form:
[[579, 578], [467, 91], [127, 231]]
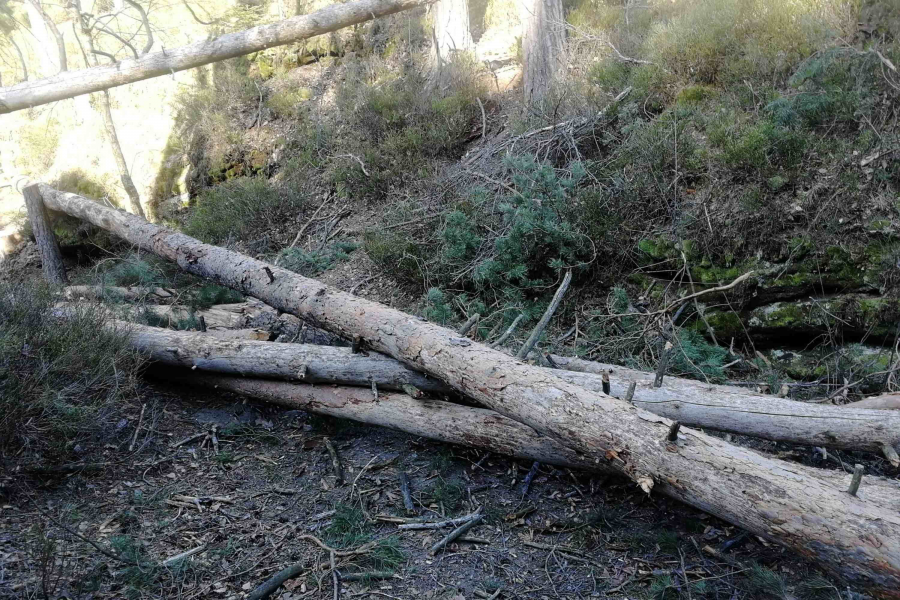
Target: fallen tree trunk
[[455, 424], [293, 362], [857, 539], [85, 81], [690, 402], [100, 292]]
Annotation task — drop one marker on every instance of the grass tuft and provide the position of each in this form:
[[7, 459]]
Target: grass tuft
[[61, 380]]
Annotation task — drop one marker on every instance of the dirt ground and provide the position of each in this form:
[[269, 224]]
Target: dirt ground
[[252, 504]]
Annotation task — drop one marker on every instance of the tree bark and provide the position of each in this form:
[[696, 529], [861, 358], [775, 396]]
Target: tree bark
[[456, 424], [48, 246], [858, 540], [51, 26], [689, 402], [451, 27], [543, 46], [85, 81], [292, 362]]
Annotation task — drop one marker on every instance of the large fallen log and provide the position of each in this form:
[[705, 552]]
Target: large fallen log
[[455, 424], [85, 81], [690, 402], [857, 539], [292, 362]]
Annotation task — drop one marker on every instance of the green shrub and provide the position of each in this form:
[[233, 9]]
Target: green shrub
[[537, 240], [437, 309], [232, 210], [349, 527], [310, 264], [288, 103], [76, 181], [694, 357], [61, 380], [211, 294], [395, 254], [728, 40], [394, 122]]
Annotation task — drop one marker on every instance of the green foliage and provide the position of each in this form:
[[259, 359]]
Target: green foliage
[[694, 357], [134, 270], [536, 241], [663, 588], [757, 146], [348, 528], [208, 116], [394, 122], [387, 555], [395, 254], [311, 263], [210, 294], [289, 102], [763, 581], [147, 316], [828, 90], [79, 182], [728, 40], [234, 209], [448, 493], [61, 380], [437, 308]]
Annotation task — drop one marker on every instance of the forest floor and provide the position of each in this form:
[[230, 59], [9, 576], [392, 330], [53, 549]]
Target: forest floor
[[271, 482]]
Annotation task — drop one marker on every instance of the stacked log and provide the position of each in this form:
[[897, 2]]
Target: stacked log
[[690, 402], [857, 538]]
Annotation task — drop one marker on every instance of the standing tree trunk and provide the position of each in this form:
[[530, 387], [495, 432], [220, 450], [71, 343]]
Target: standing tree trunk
[[51, 26], [856, 537], [451, 27], [109, 126], [543, 46]]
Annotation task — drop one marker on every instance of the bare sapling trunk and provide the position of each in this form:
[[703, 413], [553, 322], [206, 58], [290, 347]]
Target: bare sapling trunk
[[857, 538], [54, 30], [543, 46], [109, 127]]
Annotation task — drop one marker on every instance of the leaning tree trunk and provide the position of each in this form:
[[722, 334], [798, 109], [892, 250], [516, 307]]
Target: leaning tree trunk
[[454, 424], [86, 81], [690, 402], [543, 46], [857, 538]]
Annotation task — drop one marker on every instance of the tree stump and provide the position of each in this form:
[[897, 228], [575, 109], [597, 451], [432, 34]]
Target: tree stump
[[48, 246]]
